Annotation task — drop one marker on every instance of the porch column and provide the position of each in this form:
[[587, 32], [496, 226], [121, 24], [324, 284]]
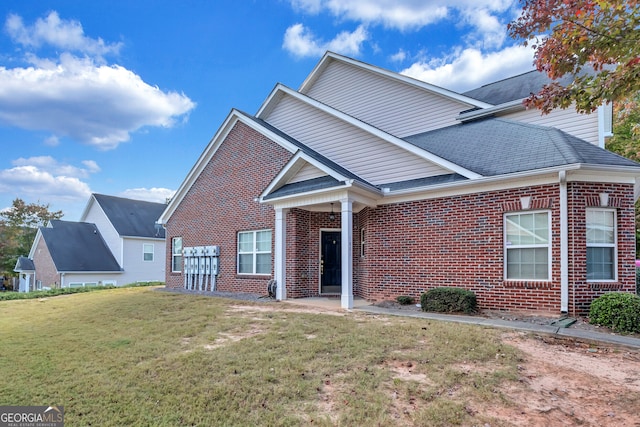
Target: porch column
[[280, 257], [347, 253]]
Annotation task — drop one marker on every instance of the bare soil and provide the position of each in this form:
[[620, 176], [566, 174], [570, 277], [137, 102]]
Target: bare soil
[[564, 381]]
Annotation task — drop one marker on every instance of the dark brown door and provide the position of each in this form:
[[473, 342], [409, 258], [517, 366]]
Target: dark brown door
[[330, 263]]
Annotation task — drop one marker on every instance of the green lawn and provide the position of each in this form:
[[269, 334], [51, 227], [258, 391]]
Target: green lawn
[[139, 357]]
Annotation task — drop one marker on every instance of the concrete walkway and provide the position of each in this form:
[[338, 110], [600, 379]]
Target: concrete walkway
[[509, 324], [365, 306]]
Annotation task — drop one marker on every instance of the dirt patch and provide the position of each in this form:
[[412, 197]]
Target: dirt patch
[[291, 308], [570, 382]]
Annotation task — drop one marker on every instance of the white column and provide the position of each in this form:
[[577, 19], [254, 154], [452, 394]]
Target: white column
[[280, 257], [347, 253]]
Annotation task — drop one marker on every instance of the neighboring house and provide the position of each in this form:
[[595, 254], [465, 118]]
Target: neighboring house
[[116, 242], [368, 183]]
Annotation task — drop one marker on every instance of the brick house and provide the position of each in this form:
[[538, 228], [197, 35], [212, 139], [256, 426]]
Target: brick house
[[368, 183]]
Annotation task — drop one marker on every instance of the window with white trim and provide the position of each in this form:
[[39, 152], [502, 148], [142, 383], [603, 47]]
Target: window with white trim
[[601, 244], [176, 255], [147, 252], [254, 252], [527, 238]]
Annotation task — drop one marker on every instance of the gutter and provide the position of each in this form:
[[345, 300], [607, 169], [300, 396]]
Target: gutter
[[476, 114], [515, 176], [564, 243]]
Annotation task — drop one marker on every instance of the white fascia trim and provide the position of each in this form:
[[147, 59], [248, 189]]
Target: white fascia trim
[[375, 132], [143, 238], [209, 151], [89, 272], [350, 189], [36, 239], [544, 176], [391, 75], [298, 161], [87, 207], [506, 107]]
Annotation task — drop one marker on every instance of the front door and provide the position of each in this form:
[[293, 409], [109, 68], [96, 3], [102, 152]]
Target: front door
[[330, 263]]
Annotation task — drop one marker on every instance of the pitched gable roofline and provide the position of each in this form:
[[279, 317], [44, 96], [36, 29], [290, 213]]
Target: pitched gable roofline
[[234, 117], [331, 56], [281, 90]]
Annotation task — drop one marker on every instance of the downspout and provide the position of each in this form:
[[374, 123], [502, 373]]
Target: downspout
[[564, 243]]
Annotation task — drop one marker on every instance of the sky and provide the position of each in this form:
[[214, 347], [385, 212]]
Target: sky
[[120, 97]]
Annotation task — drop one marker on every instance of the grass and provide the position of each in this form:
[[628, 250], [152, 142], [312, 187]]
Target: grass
[[138, 357]]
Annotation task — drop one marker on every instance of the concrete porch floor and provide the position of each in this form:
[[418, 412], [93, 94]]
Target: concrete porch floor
[[326, 302]]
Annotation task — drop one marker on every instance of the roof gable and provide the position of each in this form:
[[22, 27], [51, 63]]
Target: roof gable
[[396, 104], [78, 246], [131, 218], [367, 151], [330, 58]]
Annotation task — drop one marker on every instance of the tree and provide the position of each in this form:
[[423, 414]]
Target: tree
[[597, 42], [18, 227]]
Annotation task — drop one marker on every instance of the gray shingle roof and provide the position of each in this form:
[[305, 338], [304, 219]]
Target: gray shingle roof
[[305, 186], [513, 88], [497, 146], [78, 246], [132, 218], [24, 264]]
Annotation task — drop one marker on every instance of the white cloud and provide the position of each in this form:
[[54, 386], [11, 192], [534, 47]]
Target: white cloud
[[50, 165], [52, 141], [399, 56], [31, 182], [469, 68], [96, 105], [399, 14], [158, 195], [62, 34], [300, 41], [80, 98]]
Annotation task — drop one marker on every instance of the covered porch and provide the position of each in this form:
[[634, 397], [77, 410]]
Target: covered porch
[[314, 244]]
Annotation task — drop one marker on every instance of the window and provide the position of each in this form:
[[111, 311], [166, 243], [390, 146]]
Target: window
[[362, 242], [254, 252], [147, 252], [176, 254], [527, 246], [601, 244]]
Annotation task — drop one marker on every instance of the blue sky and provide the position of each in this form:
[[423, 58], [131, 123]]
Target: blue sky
[[120, 97]]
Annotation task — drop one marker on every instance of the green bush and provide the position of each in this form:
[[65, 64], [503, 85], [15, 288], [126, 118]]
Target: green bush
[[449, 300], [619, 311], [405, 300], [11, 295]]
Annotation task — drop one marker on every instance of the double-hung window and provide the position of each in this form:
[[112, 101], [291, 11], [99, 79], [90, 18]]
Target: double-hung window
[[601, 244], [176, 254], [254, 252], [147, 252], [527, 246]]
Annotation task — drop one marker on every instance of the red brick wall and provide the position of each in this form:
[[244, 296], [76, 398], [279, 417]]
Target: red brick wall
[[221, 203], [458, 241], [582, 196], [45, 268]]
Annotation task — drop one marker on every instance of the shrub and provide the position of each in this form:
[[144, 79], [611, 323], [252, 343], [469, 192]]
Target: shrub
[[619, 311], [448, 300], [405, 300]]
